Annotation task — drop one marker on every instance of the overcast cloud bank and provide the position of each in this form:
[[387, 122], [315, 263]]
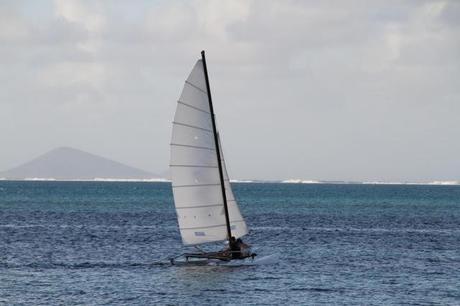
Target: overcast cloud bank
[[352, 90]]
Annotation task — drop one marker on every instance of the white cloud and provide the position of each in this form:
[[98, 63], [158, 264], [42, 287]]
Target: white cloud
[[86, 13], [345, 91]]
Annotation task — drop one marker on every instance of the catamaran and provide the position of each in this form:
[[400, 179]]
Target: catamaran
[[206, 208]]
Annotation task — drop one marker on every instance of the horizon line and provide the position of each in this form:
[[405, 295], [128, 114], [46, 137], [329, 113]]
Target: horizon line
[[242, 181]]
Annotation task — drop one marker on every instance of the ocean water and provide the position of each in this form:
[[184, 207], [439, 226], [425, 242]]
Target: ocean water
[[106, 243]]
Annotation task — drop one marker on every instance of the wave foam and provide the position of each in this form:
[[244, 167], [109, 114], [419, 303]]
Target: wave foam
[[241, 181], [288, 181], [413, 183], [298, 181], [444, 183], [385, 183]]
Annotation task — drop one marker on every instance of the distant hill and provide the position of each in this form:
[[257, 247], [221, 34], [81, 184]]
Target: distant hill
[[71, 164]]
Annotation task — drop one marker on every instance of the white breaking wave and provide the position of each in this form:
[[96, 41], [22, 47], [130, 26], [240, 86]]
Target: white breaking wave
[[241, 181], [413, 183], [288, 181], [385, 183], [444, 183], [299, 181]]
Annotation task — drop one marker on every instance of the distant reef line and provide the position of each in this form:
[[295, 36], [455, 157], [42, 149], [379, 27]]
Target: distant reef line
[[289, 181]]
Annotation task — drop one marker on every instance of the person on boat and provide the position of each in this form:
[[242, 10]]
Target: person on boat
[[233, 248], [239, 249], [245, 249]]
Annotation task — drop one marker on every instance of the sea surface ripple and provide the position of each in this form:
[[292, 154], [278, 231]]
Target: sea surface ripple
[[108, 243]]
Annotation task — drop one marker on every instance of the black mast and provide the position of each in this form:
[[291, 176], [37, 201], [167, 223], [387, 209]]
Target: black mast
[[216, 141]]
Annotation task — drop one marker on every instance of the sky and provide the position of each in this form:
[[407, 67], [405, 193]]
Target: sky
[[316, 90]]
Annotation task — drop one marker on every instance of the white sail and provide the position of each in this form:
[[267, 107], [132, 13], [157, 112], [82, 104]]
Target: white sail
[[194, 169], [237, 224]]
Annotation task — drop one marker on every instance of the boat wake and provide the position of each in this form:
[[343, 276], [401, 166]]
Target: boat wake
[[85, 265], [264, 260]]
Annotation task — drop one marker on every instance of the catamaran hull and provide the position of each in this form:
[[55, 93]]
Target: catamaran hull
[[264, 260]]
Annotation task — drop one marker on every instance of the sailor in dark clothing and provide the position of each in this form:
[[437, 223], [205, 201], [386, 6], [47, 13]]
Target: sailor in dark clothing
[[234, 248], [239, 249]]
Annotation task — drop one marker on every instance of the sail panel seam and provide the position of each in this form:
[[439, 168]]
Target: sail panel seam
[[210, 205], [201, 227], [194, 107], [192, 126], [210, 226], [190, 146], [194, 86]]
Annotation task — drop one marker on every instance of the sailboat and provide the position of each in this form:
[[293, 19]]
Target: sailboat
[[206, 208]]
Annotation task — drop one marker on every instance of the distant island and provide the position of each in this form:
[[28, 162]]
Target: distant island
[[69, 164], [66, 163]]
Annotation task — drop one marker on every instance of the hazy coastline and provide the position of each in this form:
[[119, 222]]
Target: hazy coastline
[[242, 181]]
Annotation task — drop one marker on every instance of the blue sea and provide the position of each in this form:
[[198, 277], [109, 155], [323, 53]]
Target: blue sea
[[108, 243]]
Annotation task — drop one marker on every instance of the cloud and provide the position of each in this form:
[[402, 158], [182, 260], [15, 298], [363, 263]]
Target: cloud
[[345, 91], [85, 13]]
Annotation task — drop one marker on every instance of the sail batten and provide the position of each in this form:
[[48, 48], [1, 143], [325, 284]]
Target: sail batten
[[201, 227], [210, 226], [191, 106], [189, 146], [192, 126], [196, 87], [194, 165]]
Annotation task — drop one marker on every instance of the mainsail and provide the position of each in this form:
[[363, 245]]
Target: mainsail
[[194, 166]]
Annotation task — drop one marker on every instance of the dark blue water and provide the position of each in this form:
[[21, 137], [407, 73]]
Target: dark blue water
[[88, 243]]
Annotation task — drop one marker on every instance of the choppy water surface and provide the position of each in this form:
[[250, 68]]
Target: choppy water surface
[[91, 243]]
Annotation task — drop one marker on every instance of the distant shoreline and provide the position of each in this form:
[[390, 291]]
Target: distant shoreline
[[291, 181]]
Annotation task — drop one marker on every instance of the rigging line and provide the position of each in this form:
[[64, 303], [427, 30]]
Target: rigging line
[[216, 143], [210, 205], [192, 126], [194, 107], [194, 86], [199, 249], [201, 227], [210, 226], [201, 206], [190, 146]]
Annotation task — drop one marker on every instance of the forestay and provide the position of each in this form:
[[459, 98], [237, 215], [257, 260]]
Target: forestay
[[194, 169]]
